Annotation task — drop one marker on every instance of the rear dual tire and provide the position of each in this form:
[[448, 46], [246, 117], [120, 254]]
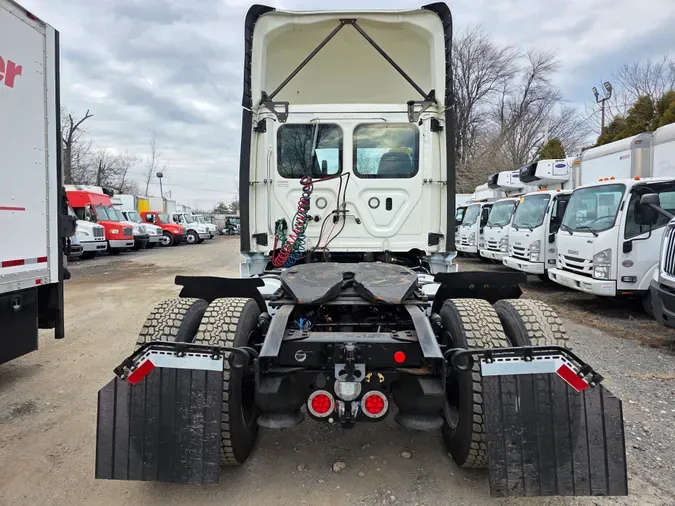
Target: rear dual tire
[[225, 322], [475, 324]]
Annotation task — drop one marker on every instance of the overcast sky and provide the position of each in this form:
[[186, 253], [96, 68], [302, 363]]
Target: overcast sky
[[176, 66]]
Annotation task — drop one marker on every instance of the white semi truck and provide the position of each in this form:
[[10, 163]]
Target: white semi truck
[[90, 236], [195, 232], [34, 216], [607, 246], [533, 231]]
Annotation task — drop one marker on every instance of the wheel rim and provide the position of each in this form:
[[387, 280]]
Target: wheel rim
[[191, 239], [165, 240], [451, 405]]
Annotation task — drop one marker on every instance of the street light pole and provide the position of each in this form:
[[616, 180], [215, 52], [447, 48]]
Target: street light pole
[[607, 94], [160, 175]]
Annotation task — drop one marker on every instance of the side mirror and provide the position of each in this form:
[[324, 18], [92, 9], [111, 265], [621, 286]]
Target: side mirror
[[560, 211], [648, 213], [551, 238]]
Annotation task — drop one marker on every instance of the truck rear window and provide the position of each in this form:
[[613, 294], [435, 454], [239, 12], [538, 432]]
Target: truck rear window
[[386, 151], [294, 150]]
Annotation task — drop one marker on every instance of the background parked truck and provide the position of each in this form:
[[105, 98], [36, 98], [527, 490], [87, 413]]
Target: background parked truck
[[33, 211]]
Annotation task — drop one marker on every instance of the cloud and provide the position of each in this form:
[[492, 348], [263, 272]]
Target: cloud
[[176, 67]]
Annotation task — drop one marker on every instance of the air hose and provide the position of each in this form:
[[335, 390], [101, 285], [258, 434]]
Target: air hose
[[293, 245]]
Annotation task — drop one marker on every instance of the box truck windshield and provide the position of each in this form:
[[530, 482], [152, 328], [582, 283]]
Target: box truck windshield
[[531, 211], [134, 216], [501, 213], [471, 215], [593, 209]]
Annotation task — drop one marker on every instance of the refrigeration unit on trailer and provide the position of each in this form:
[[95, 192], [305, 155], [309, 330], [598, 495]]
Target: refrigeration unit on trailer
[[369, 333], [607, 244], [534, 228], [34, 218]]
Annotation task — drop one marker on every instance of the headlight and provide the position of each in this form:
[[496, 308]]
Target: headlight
[[82, 233], [534, 251], [472, 238], [504, 244], [602, 263], [114, 230]]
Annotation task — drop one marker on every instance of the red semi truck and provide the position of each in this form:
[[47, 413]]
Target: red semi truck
[[97, 207], [172, 233]]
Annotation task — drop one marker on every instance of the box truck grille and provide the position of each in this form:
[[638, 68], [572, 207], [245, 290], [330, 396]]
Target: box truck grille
[[519, 252], [576, 265], [99, 232], [493, 245], [128, 231], [668, 260]]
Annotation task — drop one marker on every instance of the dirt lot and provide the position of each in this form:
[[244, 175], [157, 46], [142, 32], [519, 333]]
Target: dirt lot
[[48, 407]]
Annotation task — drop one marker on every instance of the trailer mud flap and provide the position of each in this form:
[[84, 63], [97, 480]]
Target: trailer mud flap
[[546, 438], [165, 427]]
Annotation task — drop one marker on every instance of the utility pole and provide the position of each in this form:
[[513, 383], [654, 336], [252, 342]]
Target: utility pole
[[607, 94]]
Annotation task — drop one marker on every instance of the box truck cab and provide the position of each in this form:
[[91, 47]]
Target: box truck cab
[[97, 207], [663, 283], [536, 221], [210, 227], [496, 230], [195, 232], [172, 234], [90, 236], [153, 232], [470, 233], [605, 246]]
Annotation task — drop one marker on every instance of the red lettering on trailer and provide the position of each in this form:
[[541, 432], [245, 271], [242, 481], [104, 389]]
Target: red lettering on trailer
[[9, 72], [8, 208]]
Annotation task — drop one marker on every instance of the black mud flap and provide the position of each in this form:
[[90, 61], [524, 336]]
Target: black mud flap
[[166, 427], [545, 438]]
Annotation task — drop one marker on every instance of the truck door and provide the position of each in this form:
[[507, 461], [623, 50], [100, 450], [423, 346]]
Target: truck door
[[638, 250], [557, 212]]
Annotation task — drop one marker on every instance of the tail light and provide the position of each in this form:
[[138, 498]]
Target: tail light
[[374, 404], [321, 403]]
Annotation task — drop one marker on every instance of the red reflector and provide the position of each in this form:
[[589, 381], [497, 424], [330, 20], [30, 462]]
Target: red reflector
[[38, 281], [373, 404], [141, 372], [12, 263], [41, 260], [322, 404], [579, 384], [399, 357]]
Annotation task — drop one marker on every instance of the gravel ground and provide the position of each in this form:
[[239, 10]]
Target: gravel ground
[[48, 408]]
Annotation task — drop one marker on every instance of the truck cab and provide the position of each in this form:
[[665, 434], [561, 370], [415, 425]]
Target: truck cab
[[195, 232], [604, 245], [97, 208], [663, 283], [172, 233], [470, 234], [153, 232], [210, 227], [496, 231], [90, 236]]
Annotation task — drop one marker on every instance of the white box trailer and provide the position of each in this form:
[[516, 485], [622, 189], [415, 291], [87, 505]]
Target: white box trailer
[[33, 211], [663, 151]]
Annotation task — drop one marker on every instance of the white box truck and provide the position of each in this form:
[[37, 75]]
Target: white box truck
[[534, 228], [607, 246], [33, 211]]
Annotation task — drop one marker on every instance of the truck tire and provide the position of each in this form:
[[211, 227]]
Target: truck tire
[[647, 305], [88, 255], [529, 322], [150, 245], [471, 324], [233, 322], [191, 237], [167, 239], [114, 251], [173, 320]]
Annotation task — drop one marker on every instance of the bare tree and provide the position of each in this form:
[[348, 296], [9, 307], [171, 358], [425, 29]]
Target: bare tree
[[74, 149], [481, 69], [152, 164], [111, 170]]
